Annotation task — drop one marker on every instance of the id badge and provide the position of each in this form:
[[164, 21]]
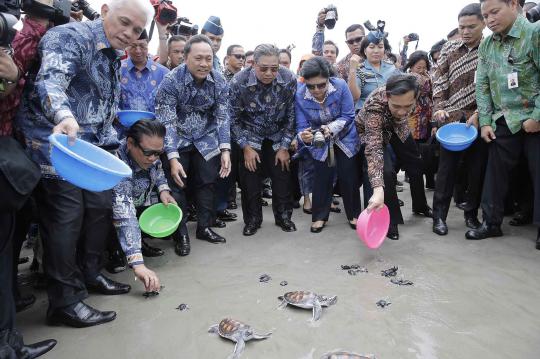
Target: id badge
[[513, 80]]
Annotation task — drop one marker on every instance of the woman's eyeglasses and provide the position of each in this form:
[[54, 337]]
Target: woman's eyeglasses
[[356, 40], [318, 86]]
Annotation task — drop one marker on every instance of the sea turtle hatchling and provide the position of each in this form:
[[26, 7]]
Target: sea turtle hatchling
[[237, 332], [342, 354], [307, 300]]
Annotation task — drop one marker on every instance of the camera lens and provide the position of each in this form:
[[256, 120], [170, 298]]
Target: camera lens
[[533, 15], [7, 32]]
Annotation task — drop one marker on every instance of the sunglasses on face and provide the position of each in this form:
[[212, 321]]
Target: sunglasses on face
[[356, 40], [149, 153], [239, 56], [318, 86], [272, 69]]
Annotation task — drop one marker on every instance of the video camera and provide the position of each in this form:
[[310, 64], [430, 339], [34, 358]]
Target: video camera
[[87, 10], [380, 27], [413, 37], [533, 15], [331, 16], [165, 11], [182, 26]]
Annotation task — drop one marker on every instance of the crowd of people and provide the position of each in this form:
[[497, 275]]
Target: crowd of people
[[249, 124]]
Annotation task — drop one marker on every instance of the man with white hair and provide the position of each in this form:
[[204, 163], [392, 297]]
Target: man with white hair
[[76, 92]]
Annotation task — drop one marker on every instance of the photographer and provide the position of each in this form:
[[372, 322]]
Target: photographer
[[77, 92]]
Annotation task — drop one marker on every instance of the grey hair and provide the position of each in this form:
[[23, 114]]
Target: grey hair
[[265, 50], [144, 5]]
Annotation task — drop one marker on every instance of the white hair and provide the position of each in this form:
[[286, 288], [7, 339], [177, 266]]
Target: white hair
[[143, 5]]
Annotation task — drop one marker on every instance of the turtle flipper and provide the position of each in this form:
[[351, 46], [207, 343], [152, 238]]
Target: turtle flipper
[[317, 310], [238, 349], [261, 336], [283, 304], [213, 329]]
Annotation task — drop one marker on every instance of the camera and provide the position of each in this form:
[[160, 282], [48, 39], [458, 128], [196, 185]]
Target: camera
[[88, 12], [318, 138], [10, 13], [331, 16], [182, 26], [533, 15], [413, 37], [165, 11]]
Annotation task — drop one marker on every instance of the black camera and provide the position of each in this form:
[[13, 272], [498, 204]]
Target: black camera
[[413, 37], [318, 138], [533, 15], [87, 10], [380, 26], [331, 16], [10, 13], [183, 27]]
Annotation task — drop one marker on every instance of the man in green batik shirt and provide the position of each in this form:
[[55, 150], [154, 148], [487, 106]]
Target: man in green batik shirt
[[507, 94]]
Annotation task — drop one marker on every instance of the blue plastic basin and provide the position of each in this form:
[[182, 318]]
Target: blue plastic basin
[[128, 117], [456, 136], [85, 165]]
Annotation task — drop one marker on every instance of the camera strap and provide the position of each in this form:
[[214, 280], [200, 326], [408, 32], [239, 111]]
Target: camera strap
[[331, 160]]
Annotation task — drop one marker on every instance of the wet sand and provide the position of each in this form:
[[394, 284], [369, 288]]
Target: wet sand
[[470, 299]]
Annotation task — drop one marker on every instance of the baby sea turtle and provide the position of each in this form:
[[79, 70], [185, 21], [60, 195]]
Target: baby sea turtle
[[383, 303], [390, 272], [284, 283], [342, 354], [264, 278], [401, 281], [237, 332], [182, 307], [307, 300]]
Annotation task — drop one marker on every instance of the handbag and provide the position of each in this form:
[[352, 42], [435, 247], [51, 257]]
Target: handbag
[[19, 175]]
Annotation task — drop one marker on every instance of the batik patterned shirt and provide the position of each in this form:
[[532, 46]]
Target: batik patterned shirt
[[453, 87], [138, 191], [318, 41], [343, 67], [79, 77], [518, 52], [194, 114], [139, 88], [260, 112]]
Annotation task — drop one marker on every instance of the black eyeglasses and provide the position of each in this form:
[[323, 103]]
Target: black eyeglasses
[[318, 86], [356, 40], [239, 56], [149, 153]]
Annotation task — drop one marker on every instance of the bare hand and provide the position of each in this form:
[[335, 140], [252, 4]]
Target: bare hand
[[326, 131], [376, 201], [321, 17], [68, 126], [440, 116], [225, 164], [177, 172], [531, 126], [8, 69], [406, 39], [166, 198], [251, 157], [148, 277], [306, 135], [487, 134], [473, 121], [355, 61], [433, 131], [283, 157]]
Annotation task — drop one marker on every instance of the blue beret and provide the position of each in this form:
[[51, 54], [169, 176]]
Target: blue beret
[[213, 25]]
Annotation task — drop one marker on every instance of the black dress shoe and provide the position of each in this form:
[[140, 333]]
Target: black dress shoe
[[104, 285], [286, 225], [520, 219], [484, 231], [295, 204], [31, 351], [335, 209], [117, 262], [232, 205], [352, 225], [149, 251], [267, 193], [317, 229], [472, 222], [462, 205], [78, 315], [264, 203], [182, 245], [427, 212], [307, 210], [210, 236], [401, 203], [218, 223], [192, 216], [250, 229], [226, 216], [440, 227], [538, 239], [393, 232], [22, 303]]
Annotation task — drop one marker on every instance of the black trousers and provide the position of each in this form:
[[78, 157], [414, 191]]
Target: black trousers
[[235, 156], [250, 183], [74, 226], [348, 181], [409, 157], [202, 178], [475, 167], [7, 304], [503, 157], [23, 220]]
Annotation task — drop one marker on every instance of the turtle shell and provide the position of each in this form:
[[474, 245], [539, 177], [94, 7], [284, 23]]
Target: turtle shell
[[299, 297], [229, 327], [346, 355]]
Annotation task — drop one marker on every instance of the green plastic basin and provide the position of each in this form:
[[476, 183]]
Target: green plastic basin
[[159, 220]]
